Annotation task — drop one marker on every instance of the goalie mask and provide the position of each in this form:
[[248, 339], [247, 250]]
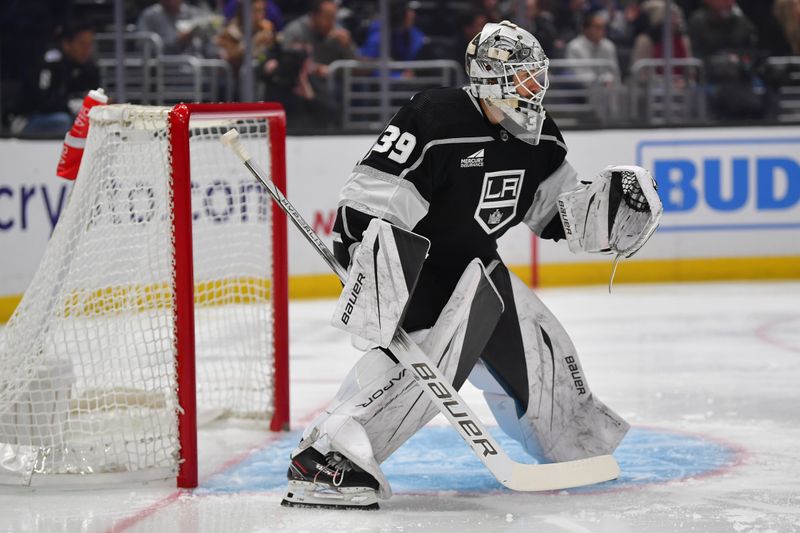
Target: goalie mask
[[507, 68]]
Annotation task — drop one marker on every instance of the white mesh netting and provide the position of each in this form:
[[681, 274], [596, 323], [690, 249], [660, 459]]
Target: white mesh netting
[[87, 372]]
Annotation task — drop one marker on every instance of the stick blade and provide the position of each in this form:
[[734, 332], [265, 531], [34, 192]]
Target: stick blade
[[558, 476]]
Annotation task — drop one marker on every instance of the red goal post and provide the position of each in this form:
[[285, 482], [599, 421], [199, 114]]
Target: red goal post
[[179, 125]]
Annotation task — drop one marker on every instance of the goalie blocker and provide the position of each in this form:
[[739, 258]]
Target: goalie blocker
[[383, 273]]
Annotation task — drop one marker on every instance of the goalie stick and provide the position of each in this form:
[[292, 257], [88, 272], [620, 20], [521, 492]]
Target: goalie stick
[[514, 475]]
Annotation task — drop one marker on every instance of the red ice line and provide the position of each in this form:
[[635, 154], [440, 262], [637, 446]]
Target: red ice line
[[740, 456], [153, 508], [763, 332]]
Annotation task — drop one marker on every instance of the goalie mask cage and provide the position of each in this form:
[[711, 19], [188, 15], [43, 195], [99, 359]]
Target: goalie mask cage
[[161, 297]]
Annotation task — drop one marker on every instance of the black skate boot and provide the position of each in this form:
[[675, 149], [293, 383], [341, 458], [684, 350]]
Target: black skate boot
[[329, 481]]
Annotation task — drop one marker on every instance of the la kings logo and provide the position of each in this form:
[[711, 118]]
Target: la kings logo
[[474, 160], [499, 196]]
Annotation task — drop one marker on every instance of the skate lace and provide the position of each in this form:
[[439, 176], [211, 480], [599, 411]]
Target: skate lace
[[340, 465], [340, 473], [337, 479]]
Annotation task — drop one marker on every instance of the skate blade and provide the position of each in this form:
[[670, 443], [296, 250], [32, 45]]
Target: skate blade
[[308, 495], [343, 507]]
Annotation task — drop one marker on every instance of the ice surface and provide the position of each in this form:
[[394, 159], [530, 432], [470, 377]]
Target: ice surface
[[706, 373]]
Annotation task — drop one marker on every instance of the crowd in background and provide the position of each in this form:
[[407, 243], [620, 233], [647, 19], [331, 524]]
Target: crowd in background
[[47, 63]]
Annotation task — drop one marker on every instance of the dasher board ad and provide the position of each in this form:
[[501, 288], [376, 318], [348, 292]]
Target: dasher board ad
[[726, 184], [727, 192]]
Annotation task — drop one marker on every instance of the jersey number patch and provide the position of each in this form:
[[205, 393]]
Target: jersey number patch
[[499, 196], [401, 144]]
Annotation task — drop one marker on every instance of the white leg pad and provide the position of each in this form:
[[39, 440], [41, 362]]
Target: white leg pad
[[563, 420], [380, 406], [504, 408]]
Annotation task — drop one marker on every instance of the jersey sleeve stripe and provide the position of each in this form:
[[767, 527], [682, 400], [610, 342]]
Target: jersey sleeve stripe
[[554, 139], [346, 228], [545, 205], [377, 213], [384, 196], [371, 172]]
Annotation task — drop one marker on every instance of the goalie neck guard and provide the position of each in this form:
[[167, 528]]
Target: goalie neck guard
[[500, 62]]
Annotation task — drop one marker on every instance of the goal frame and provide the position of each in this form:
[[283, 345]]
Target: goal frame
[[183, 273]]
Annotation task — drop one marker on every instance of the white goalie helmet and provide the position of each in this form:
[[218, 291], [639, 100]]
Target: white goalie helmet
[[507, 68]]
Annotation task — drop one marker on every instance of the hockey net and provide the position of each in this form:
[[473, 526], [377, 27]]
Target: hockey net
[[161, 298]]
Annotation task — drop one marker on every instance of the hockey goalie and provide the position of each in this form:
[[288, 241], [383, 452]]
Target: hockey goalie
[[417, 227]]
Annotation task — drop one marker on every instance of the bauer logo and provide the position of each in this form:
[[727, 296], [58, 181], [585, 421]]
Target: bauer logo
[[350, 306], [719, 184]]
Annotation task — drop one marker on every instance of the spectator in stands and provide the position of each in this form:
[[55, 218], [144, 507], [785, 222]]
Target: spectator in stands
[[593, 44], [787, 12], [470, 24], [52, 95], [769, 34], [272, 12], [286, 74], [27, 31], [569, 18], [617, 16], [493, 10], [406, 41], [541, 24], [726, 41], [231, 38], [649, 44], [297, 76], [183, 28], [317, 30], [720, 26]]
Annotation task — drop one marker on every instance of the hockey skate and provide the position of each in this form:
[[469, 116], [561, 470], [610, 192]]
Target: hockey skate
[[329, 481]]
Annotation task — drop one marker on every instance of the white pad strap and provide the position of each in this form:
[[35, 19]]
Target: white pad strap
[[617, 212], [383, 274]]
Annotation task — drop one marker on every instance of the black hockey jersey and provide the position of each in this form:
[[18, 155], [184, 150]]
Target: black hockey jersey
[[55, 82], [442, 170]]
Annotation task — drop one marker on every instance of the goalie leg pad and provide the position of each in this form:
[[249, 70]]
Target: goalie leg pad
[[535, 386], [382, 277], [380, 405]]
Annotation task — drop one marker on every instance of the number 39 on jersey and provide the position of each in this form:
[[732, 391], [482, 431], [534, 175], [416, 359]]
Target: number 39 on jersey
[[400, 143]]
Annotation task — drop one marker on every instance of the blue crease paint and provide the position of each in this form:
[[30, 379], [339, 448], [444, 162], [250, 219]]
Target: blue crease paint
[[435, 460]]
